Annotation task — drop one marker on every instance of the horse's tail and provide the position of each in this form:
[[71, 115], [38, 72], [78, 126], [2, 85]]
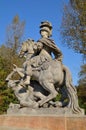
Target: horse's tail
[[72, 92]]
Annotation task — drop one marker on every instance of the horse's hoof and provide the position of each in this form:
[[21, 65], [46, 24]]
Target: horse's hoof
[[39, 103], [58, 104]]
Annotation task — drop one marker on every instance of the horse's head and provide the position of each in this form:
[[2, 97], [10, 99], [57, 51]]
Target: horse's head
[[27, 47]]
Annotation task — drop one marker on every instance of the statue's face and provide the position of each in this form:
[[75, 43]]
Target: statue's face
[[44, 34]]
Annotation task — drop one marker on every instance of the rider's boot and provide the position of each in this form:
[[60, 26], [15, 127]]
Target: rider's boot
[[28, 74]]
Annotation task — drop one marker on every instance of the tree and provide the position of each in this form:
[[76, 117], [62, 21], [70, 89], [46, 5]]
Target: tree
[[74, 36], [74, 26], [6, 66], [8, 57], [14, 34], [82, 87]]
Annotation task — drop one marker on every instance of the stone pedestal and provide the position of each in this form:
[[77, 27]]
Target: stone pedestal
[[43, 122]]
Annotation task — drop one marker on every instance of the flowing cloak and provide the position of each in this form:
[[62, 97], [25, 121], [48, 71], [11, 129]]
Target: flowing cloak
[[51, 45]]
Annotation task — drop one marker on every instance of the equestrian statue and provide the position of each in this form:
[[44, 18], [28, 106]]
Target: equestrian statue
[[43, 76]]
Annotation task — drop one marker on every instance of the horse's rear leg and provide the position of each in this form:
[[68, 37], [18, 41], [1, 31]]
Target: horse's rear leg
[[51, 89]]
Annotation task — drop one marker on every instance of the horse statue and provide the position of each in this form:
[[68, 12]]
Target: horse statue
[[51, 75]]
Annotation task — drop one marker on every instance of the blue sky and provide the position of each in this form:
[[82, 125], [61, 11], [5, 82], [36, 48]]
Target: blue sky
[[33, 12]]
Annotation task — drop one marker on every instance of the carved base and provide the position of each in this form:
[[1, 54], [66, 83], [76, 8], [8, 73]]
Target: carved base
[[15, 109]]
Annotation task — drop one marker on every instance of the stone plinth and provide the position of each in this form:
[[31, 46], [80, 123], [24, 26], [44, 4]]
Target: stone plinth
[[46, 122]]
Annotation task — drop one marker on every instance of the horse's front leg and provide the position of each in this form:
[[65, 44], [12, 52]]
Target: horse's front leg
[[51, 89], [20, 71], [9, 76]]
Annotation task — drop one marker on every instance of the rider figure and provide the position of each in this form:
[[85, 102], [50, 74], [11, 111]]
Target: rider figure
[[45, 46]]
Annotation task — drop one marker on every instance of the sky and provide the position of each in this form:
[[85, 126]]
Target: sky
[[33, 12]]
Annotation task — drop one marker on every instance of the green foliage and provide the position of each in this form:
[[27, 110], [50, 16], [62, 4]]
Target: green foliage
[[3, 72], [82, 87], [6, 95], [82, 96], [58, 97], [82, 103]]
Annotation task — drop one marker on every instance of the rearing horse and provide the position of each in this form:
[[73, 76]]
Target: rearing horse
[[51, 73]]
